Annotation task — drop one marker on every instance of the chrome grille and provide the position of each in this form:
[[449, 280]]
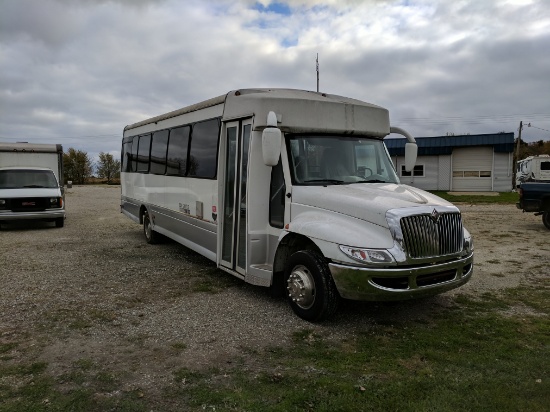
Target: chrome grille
[[424, 236]]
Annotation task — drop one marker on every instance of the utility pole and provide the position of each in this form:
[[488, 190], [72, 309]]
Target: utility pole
[[519, 140], [317, 68], [517, 153]]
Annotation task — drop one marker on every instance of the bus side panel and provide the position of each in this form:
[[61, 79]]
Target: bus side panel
[[191, 232]]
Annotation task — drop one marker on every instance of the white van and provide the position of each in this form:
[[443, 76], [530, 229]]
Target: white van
[[294, 190], [31, 185]]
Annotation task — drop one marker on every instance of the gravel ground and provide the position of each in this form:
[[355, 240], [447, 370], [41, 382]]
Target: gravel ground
[[95, 290]]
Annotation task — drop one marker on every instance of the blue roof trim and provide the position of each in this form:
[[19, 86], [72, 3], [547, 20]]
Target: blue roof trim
[[443, 145]]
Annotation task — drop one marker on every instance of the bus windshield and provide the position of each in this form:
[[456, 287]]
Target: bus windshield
[[25, 178], [334, 159]]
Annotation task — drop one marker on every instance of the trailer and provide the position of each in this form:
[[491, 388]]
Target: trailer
[[533, 169]]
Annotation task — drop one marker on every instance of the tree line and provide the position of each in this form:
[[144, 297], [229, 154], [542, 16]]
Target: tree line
[[79, 168], [531, 149]]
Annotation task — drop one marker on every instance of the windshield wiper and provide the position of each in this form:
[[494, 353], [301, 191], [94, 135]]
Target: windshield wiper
[[371, 181], [333, 181], [34, 186]]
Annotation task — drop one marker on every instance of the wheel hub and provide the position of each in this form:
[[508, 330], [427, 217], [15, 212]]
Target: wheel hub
[[301, 288]]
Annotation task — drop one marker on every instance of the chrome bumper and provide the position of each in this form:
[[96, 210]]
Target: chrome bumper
[[43, 215], [371, 284]]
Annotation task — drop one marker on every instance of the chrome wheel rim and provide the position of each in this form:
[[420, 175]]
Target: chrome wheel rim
[[147, 227], [301, 287]]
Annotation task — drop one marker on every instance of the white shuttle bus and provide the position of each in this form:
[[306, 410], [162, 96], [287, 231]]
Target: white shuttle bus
[[294, 190]]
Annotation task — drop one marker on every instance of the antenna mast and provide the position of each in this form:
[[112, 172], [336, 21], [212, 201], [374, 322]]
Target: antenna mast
[[317, 65]]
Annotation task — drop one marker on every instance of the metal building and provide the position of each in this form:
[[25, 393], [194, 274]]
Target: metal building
[[465, 163]]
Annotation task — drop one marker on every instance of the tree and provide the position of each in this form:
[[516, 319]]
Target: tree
[[108, 168], [77, 166]]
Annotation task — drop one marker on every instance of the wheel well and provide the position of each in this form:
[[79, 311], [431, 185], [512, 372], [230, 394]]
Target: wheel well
[[290, 244], [142, 211]]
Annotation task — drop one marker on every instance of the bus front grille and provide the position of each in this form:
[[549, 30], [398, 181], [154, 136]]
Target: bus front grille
[[432, 235]]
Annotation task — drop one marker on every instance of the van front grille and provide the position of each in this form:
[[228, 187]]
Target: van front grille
[[432, 235]]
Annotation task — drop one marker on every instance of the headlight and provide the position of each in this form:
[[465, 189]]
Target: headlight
[[377, 256], [56, 201], [2, 202]]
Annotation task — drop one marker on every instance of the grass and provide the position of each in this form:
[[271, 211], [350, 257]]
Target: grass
[[479, 354], [501, 198]]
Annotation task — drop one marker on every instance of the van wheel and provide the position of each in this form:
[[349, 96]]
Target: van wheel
[[546, 219], [151, 236], [59, 222], [312, 293]]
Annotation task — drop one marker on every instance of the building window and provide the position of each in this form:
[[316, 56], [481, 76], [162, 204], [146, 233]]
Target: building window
[[472, 173], [417, 171]]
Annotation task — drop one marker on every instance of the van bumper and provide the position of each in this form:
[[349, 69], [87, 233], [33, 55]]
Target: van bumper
[[42, 215], [387, 284]]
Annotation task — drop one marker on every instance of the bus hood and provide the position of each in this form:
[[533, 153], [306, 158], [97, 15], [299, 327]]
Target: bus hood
[[365, 201]]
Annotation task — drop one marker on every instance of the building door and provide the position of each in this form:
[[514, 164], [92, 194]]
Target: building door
[[234, 202], [472, 169]]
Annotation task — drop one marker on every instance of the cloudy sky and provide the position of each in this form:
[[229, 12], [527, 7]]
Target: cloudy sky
[[76, 72]]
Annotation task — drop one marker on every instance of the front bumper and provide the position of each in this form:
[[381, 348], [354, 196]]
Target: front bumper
[[42, 215], [387, 284]]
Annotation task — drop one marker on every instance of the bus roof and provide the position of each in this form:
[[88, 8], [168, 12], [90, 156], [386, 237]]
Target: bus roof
[[298, 111]]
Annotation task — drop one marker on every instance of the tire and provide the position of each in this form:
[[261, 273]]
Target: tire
[[312, 293], [60, 222], [151, 236], [546, 219]]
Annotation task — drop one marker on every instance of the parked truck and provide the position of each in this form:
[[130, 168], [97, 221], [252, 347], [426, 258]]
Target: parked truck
[[31, 182], [535, 197]]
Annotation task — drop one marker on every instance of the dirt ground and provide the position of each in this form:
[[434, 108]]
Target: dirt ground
[[94, 290]]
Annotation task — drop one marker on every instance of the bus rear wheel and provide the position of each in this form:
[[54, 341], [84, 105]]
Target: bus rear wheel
[[151, 236], [312, 293]]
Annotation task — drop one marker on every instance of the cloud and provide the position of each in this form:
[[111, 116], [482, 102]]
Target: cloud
[[74, 69]]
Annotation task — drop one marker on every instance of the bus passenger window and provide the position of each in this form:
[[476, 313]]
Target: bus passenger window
[[203, 156], [144, 150], [134, 155], [177, 151], [158, 152]]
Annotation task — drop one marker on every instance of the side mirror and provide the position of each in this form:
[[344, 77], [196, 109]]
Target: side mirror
[[411, 152], [271, 141]]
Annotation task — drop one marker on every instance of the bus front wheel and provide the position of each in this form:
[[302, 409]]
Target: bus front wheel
[[311, 291]]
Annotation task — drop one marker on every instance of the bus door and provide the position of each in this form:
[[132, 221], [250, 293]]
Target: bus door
[[233, 248]]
